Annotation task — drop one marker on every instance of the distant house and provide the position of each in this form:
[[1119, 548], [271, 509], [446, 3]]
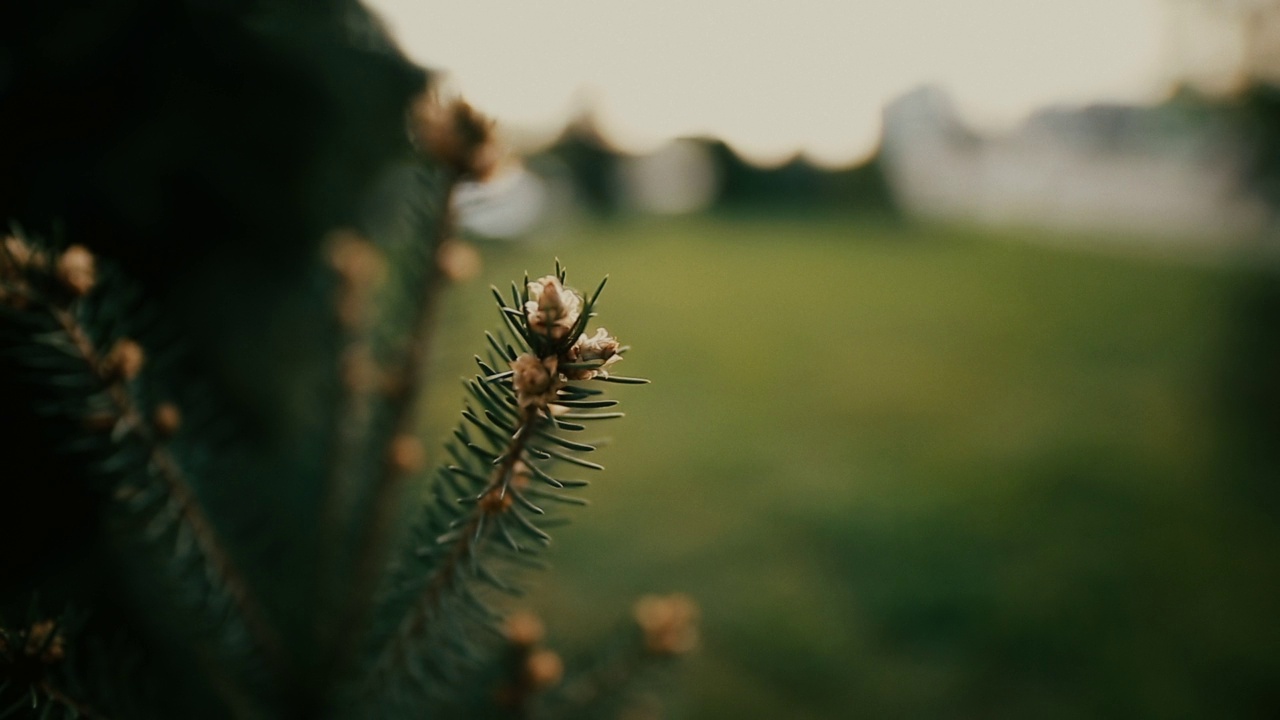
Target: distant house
[[1157, 172]]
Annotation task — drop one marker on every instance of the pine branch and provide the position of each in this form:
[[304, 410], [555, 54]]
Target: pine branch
[[32, 659], [388, 325], [493, 500], [462, 545], [527, 668], [664, 629], [402, 451], [388, 349], [487, 511], [49, 296], [463, 142], [229, 538]]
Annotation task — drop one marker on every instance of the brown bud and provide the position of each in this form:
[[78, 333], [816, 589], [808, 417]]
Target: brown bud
[[15, 256], [101, 421], [361, 268], [124, 361], [544, 668], [355, 258], [552, 309], [39, 643], [456, 135], [536, 381], [520, 474], [668, 623], [602, 346], [458, 260], [406, 454], [166, 419], [496, 500], [524, 629], [76, 270]]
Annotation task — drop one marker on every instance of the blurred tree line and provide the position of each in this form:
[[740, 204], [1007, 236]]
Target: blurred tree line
[[797, 185]]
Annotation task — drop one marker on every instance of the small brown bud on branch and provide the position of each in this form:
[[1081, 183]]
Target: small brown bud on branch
[[76, 270], [167, 419], [544, 668], [458, 260], [406, 455], [45, 643], [361, 267], [668, 623], [124, 361], [456, 135], [535, 381], [552, 309], [16, 256], [524, 629]]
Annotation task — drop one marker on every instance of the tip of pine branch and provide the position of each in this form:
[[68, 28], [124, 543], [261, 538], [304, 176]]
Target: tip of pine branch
[[455, 134]]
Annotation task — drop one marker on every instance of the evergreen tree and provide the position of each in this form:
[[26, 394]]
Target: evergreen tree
[[216, 295]]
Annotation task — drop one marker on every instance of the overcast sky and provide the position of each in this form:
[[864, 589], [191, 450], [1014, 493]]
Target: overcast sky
[[779, 76]]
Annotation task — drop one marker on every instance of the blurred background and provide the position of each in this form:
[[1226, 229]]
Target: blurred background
[[964, 327]]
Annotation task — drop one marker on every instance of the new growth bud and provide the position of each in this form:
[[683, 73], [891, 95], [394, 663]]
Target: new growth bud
[[552, 309], [361, 268], [497, 500], [166, 419], [458, 260], [15, 257], [456, 135], [406, 454], [524, 629], [76, 270], [124, 361], [544, 668], [45, 643], [535, 381], [601, 347]]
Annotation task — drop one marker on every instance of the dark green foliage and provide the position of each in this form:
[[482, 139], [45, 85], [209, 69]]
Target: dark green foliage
[[592, 167], [215, 307], [1252, 117], [800, 184], [1260, 108]]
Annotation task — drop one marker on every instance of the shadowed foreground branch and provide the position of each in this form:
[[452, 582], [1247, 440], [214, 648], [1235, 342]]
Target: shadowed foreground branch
[[215, 312]]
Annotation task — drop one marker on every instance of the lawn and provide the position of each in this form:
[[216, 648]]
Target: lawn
[[910, 472]]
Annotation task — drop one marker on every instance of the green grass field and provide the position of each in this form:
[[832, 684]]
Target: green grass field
[[910, 472]]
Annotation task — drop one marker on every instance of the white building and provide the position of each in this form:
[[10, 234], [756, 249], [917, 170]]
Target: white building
[[1107, 169]]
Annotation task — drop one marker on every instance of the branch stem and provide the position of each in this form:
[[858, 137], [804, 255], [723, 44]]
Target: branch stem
[[465, 543], [178, 487], [405, 381]]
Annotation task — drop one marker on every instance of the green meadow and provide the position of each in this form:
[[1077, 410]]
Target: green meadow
[[912, 472]]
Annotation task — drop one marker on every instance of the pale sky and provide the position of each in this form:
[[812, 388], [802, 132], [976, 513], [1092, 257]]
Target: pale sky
[[774, 77]]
